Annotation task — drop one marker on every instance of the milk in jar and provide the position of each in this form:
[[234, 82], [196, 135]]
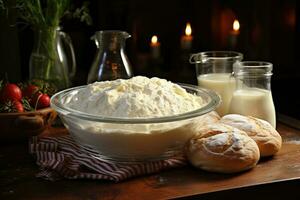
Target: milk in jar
[[223, 84], [253, 96], [255, 102]]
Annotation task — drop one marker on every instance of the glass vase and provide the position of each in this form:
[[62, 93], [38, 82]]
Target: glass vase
[[47, 60]]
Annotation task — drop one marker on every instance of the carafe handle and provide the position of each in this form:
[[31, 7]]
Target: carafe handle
[[193, 60], [68, 41]]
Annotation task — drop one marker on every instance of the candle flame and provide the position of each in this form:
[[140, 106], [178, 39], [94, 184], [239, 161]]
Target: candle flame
[[154, 39], [236, 25], [188, 29]]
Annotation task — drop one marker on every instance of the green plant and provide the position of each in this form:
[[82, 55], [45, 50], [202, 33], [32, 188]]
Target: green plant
[[44, 16], [48, 13]]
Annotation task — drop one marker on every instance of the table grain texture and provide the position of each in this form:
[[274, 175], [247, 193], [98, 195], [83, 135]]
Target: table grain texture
[[277, 178]]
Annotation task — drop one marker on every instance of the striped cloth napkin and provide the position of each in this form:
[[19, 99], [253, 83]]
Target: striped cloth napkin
[[60, 157]]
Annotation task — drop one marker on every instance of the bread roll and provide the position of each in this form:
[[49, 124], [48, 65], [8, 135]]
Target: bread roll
[[221, 148], [267, 138]]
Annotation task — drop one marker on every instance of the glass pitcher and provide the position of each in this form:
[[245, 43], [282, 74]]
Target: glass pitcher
[[49, 59], [110, 62]]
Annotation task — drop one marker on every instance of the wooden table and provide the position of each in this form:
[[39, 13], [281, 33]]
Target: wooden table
[[275, 177]]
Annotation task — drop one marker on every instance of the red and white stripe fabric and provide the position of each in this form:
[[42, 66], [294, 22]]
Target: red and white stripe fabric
[[61, 157]]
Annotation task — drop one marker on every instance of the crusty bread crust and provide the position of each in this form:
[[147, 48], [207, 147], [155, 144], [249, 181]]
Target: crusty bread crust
[[267, 138], [221, 148]]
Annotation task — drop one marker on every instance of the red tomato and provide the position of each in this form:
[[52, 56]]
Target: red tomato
[[18, 106], [30, 90], [41, 101], [11, 92]]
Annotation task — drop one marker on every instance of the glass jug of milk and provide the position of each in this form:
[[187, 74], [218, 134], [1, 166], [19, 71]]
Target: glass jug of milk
[[253, 95], [214, 71]]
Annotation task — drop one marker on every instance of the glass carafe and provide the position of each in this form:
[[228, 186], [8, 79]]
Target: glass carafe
[[253, 95], [110, 62], [214, 72], [49, 60]]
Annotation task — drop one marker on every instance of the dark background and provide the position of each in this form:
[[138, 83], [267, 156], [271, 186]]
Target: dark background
[[268, 32]]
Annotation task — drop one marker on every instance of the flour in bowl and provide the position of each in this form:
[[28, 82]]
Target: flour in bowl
[[138, 97], [135, 98]]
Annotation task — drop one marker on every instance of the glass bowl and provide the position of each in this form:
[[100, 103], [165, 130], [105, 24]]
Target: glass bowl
[[133, 139]]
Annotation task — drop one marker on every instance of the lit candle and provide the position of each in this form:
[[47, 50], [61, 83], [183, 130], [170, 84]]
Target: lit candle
[[187, 39], [155, 47], [233, 36]]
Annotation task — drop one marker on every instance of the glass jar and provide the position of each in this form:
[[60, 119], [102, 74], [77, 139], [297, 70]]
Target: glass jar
[[48, 60], [110, 61], [253, 96], [214, 71]]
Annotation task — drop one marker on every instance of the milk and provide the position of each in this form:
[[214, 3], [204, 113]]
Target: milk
[[223, 84], [254, 102]]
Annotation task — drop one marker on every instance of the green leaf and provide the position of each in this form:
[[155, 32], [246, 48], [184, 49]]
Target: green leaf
[[26, 105], [47, 13]]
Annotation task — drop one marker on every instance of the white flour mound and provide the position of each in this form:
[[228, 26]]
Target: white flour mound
[[138, 97]]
